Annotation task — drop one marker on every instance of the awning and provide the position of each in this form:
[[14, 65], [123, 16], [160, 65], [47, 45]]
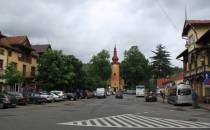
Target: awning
[[184, 53]]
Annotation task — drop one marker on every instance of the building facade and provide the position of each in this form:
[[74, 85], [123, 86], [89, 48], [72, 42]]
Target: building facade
[[196, 56], [116, 83], [17, 50]]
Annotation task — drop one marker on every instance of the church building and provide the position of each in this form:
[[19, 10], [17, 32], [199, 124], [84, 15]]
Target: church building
[[116, 83]]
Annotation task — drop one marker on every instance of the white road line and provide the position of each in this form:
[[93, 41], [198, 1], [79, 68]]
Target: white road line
[[105, 122], [136, 122], [113, 122], [88, 123], [128, 121], [145, 124], [97, 123], [179, 123], [122, 122], [158, 121]]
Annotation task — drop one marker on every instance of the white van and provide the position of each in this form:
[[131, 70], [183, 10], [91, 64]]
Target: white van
[[140, 91], [180, 94], [101, 92]]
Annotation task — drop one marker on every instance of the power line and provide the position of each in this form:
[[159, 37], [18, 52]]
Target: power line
[[167, 16]]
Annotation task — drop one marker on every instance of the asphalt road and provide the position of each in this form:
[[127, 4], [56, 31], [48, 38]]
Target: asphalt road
[[104, 114]]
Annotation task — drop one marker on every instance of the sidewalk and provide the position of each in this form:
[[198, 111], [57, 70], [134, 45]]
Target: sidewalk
[[204, 106]]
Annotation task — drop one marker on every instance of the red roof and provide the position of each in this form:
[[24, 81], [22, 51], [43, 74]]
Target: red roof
[[163, 81], [189, 23], [41, 48], [115, 57]]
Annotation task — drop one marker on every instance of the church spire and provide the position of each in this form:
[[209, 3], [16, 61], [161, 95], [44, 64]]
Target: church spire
[[115, 57]]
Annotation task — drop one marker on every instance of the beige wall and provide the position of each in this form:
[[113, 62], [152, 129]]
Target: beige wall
[[115, 79], [14, 58], [4, 57]]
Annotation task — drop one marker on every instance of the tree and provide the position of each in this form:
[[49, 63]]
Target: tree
[[55, 70], [12, 76], [99, 70], [78, 79], [161, 65], [134, 68]]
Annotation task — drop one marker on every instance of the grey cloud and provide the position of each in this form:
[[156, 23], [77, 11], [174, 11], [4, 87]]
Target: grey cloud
[[84, 27]]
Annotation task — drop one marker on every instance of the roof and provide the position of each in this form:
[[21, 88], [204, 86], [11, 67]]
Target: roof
[[163, 81], [189, 23], [204, 38], [184, 53], [41, 48]]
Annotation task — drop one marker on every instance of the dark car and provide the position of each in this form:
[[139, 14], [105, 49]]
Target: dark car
[[71, 96], [150, 97], [7, 101], [119, 94], [35, 98], [19, 97]]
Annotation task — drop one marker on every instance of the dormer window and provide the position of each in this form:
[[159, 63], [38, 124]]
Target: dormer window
[[191, 39]]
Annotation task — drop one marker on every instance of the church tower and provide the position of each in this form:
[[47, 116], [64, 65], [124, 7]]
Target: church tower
[[115, 75]]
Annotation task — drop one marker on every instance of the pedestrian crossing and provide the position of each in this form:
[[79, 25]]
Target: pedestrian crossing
[[137, 121]]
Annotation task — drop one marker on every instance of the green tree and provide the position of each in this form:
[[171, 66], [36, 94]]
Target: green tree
[[99, 69], [78, 79], [11, 75], [161, 65], [55, 70], [134, 68]]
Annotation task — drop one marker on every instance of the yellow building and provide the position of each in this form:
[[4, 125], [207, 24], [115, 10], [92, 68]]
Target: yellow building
[[196, 57], [116, 83], [17, 50]]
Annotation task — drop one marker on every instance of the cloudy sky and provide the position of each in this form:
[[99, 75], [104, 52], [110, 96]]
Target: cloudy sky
[[85, 27]]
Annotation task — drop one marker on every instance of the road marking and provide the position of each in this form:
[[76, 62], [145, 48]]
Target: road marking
[[137, 121]]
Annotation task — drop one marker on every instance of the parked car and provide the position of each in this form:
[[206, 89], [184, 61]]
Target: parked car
[[36, 98], [89, 94], [59, 93], [7, 101], [101, 92], [19, 97], [56, 97], [71, 96], [119, 94], [108, 93], [48, 97], [150, 96]]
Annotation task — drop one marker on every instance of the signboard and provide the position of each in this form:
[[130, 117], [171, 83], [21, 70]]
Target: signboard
[[206, 78]]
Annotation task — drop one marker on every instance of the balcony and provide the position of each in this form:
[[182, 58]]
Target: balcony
[[29, 75], [25, 59], [196, 71]]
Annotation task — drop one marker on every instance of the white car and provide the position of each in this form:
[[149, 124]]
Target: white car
[[48, 97], [101, 92], [59, 93], [56, 97]]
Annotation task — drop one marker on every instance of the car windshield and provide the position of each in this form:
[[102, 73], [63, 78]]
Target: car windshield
[[184, 92]]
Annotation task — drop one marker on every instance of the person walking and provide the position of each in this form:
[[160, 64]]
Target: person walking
[[162, 94], [194, 99]]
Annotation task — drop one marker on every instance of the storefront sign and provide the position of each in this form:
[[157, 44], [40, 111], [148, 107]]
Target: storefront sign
[[207, 78]]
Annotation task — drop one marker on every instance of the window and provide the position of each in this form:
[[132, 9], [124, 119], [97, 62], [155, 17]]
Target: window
[[24, 70], [191, 39], [184, 92], [10, 53], [2, 51], [1, 64], [33, 69]]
